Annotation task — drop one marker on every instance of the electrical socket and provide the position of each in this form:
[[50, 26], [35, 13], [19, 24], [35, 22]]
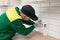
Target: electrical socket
[[45, 25]]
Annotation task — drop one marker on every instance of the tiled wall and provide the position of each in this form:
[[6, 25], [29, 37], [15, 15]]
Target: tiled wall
[[54, 19], [49, 13], [51, 17], [2, 9], [13, 3]]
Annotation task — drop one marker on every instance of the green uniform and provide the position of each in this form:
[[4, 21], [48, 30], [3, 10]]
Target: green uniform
[[11, 22]]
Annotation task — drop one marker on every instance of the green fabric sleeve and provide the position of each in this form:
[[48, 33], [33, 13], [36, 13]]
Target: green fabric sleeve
[[29, 22], [20, 28]]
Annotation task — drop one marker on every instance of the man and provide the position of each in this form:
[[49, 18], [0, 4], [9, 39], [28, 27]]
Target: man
[[12, 20]]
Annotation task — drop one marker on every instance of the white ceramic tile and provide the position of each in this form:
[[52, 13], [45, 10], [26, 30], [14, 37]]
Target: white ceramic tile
[[54, 34], [44, 15], [54, 22], [55, 16], [44, 4], [53, 27], [55, 4], [44, 20], [55, 1], [15, 3]]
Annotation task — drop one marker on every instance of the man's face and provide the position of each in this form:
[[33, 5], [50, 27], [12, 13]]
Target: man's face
[[25, 17]]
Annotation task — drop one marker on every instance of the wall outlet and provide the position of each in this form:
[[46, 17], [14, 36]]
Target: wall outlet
[[45, 25]]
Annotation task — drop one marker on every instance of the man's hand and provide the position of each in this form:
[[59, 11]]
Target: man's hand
[[38, 24]]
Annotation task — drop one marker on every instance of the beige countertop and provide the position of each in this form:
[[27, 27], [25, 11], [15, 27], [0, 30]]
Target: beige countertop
[[33, 36]]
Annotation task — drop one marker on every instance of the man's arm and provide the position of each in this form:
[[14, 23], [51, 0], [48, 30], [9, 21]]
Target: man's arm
[[29, 22], [20, 28]]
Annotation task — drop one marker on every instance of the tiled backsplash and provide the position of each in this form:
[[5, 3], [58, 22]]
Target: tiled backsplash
[[2, 9], [49, 13]]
